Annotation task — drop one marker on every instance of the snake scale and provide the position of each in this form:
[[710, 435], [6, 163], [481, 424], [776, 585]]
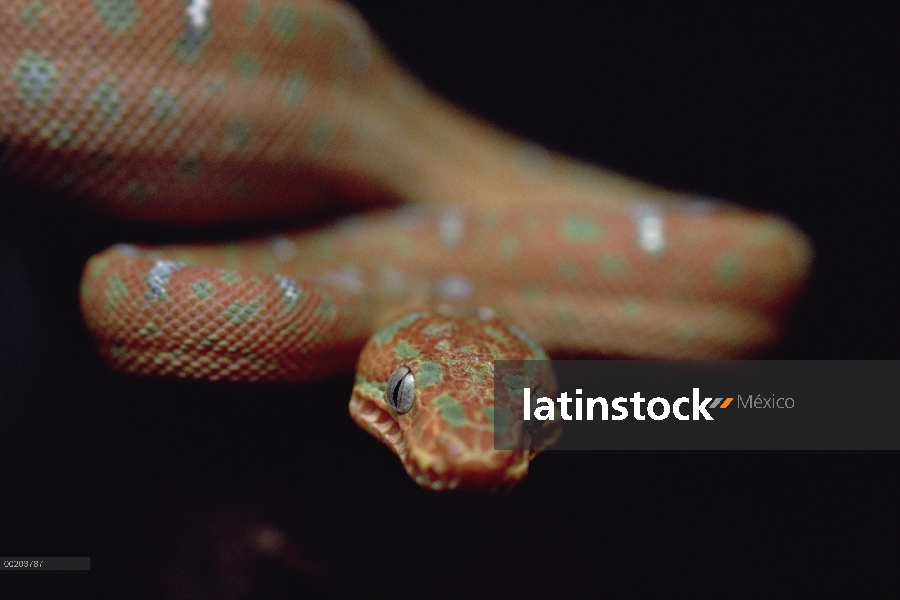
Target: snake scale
[[199, 112]]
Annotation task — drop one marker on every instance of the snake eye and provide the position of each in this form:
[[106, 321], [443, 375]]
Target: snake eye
[[401, 390]]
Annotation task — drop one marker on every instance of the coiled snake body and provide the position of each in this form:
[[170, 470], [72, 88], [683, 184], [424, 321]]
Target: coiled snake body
[[210, 112]]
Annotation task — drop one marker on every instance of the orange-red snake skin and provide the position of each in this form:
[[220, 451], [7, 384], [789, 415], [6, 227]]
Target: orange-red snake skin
[[206, 112]]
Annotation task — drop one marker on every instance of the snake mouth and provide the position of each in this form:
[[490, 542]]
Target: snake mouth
[[378, 422], [450, 468]]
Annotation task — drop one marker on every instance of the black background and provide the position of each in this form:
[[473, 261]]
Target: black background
[[787, 109]]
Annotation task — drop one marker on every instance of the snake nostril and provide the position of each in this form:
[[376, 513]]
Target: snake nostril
[[400, 391]]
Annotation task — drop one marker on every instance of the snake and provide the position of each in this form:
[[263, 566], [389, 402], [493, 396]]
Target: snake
[[460, 244]]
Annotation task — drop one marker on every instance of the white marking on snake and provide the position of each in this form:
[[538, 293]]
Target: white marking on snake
[[158, 277], [454, 287], [283, 248], [127, 250], [198, 12], [290, 290], [392, 280], [486, 313], [451, 227], [650, 234], [349, 278]]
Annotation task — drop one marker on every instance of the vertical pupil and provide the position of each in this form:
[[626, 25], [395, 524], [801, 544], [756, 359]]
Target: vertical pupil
[[395, 395]]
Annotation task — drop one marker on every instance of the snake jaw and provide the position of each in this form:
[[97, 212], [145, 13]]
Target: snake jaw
[[444, 463], [372, 415]]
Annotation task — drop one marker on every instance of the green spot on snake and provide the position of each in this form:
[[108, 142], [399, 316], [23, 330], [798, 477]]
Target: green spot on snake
[[119, 15], [373, 389], [580, 229], [612, 266], [728, 268], [326, 308], [436, 329], [311, 334], [31, 14], [387, 334], [247, 64], [56, 133], [252, 13], [632, 309], [534, 294], [482, 372], [148, 329], [165, 105], [537, 353], [451, 411], [115, 291], [430, 373], [285, 22], [237, 133], [193, 41], [496, 334], [98, 266], [203, 288], [230, 277], [316, 21], [106, 97], [215, 87], [37, 77], [239, 313], [499, 416], [403, 349], [295, 88], [509, 246], [515, 383]]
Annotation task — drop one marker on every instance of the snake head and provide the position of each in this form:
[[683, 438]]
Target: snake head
[[425, 388]]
